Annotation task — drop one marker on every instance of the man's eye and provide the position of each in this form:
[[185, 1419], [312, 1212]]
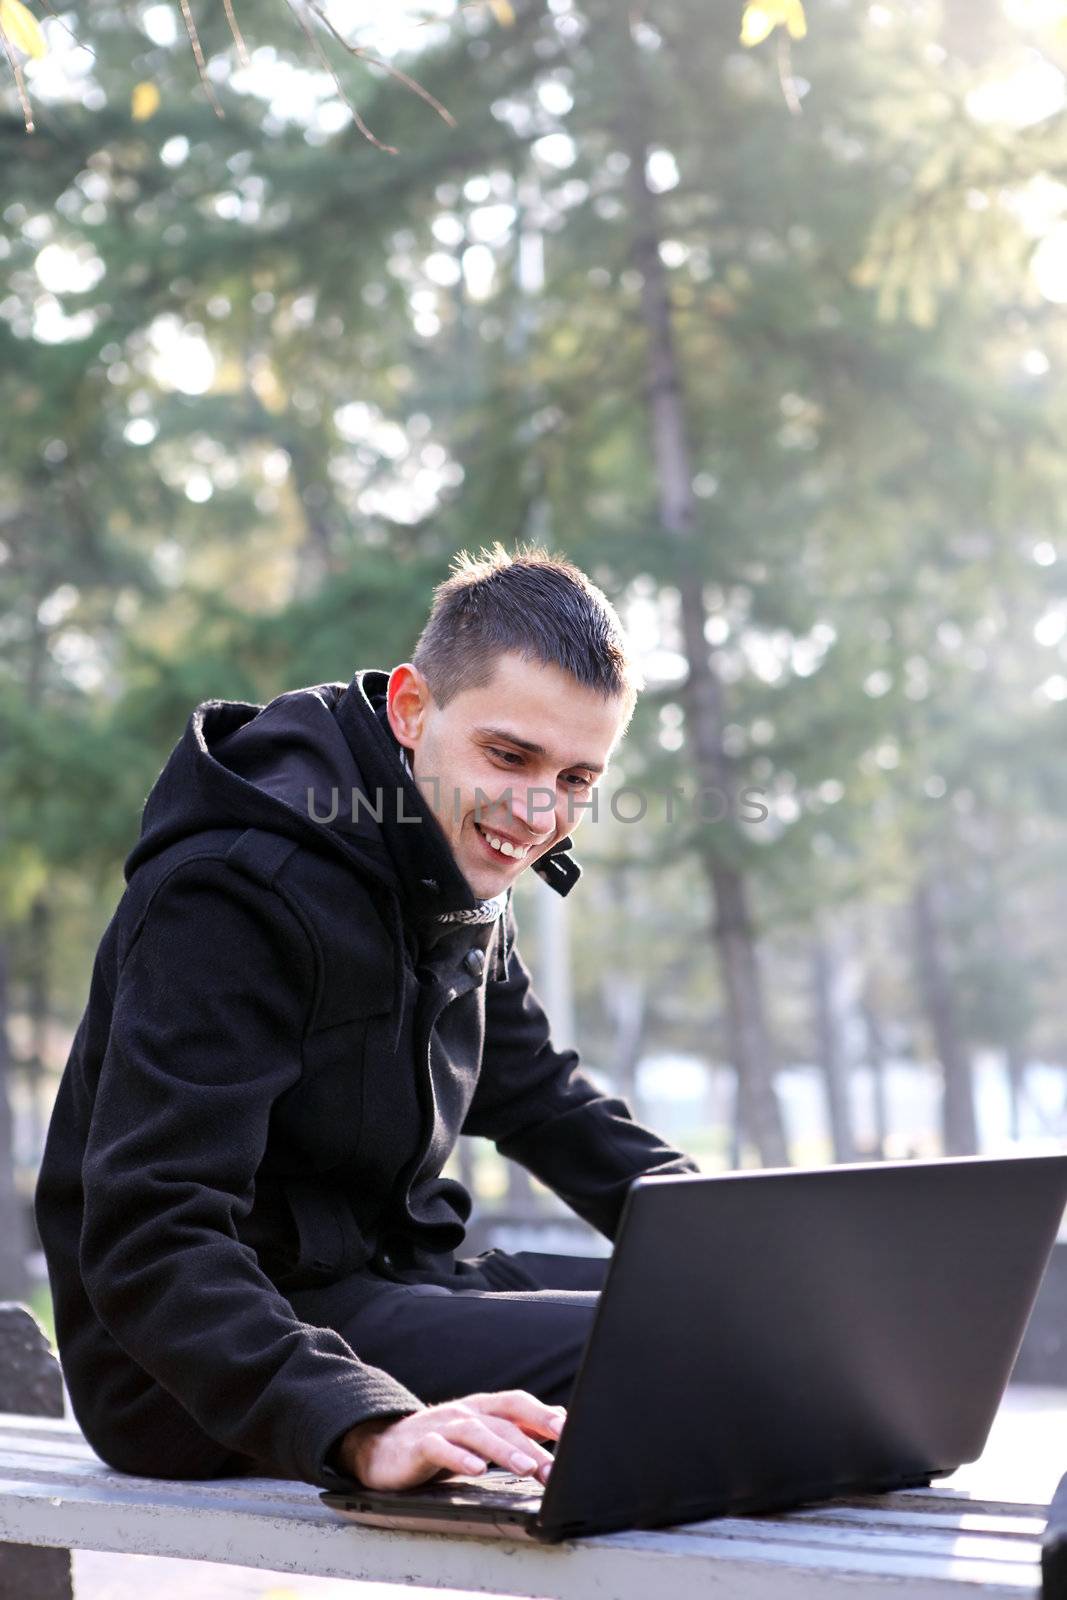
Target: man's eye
[[579, 781], [505, 755]]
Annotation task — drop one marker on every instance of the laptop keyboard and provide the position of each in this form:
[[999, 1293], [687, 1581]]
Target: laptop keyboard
[[503, 1488]]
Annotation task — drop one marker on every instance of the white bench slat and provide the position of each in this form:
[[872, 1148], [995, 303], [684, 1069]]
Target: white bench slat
[[49, 1436], [14, 1423], [43, 1467], [1031, 1527], [627, 1566], [47, 1450], [999, 1539], [48, 1459], [939, 1497], [874, 1536], [928, 1544]]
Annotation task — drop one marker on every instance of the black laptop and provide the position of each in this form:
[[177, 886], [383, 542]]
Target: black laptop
[[768, 1338]]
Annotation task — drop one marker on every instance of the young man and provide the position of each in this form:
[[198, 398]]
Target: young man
[[309, 989]]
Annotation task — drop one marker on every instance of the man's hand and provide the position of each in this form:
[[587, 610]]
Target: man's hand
[[457, 1436]]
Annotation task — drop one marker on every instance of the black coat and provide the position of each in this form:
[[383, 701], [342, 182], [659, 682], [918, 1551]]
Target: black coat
[[279, 1051]]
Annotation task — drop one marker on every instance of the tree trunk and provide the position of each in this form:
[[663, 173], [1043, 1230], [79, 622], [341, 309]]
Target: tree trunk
[[958, 1124], [758, 1109], [13, 1283], [1007, 937], [626, 1003], [1015, 1067], [828, 1039], [876, 1060], [40, 931], [316, 498], [624, 994], [759, 1116], [554, 967]]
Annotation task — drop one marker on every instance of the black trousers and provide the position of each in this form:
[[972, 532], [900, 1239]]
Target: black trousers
[[526, 1330]]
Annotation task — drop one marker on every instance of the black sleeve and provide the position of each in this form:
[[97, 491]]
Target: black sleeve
[[210, 1011], [541, 1110]]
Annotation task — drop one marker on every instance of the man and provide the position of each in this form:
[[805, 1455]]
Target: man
[[309, 989]]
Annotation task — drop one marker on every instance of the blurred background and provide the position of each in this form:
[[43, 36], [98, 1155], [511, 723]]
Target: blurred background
[[757, 313]]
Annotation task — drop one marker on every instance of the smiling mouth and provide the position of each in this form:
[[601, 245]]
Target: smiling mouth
[[502, 847]]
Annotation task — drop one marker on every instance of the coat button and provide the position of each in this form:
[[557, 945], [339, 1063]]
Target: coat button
[[474, 961]]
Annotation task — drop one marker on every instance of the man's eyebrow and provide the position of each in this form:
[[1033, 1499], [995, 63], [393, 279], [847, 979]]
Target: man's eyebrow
[[534, 749]]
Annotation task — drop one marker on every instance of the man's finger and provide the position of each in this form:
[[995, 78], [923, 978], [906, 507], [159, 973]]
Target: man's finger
[[476, 1434], [521, 1442], [525, 1409], [441, 1452]]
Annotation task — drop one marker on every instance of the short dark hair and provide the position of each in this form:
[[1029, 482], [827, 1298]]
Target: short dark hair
[[540, 606]]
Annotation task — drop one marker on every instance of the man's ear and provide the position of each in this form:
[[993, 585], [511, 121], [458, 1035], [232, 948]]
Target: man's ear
[[407, 702]]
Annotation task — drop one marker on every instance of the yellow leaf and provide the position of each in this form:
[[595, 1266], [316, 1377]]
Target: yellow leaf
[[22, 29], [922, 306], [144, 102], [267, 388], [756, 24], [761, 17], [865, 274], [795, 20], [503, 11]]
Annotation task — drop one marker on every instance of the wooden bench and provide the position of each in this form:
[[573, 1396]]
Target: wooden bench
[[56, 1495], [926, 1544]]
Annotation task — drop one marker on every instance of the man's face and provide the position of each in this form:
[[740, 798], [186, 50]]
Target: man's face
[[512, 761]]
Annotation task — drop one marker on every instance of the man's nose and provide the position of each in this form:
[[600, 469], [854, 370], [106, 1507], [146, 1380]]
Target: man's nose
[[535, 806]]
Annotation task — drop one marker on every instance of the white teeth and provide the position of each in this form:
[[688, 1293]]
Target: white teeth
[[505, 847]]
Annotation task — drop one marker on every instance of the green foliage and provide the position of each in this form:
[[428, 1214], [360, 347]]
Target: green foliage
[[286, 386]]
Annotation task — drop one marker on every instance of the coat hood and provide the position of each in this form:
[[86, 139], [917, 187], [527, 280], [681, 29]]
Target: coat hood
[[321, 766]]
